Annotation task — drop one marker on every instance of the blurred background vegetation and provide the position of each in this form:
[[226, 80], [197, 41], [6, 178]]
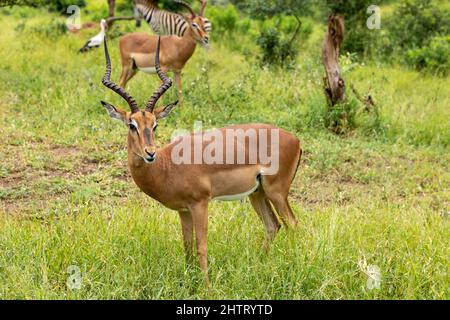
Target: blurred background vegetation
[[286, 36], [414, 32]]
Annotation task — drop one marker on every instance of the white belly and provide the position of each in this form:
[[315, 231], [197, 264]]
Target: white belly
[[148, 70], [238, 196]]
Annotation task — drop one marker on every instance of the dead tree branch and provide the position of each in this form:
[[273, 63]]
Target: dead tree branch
[[111, 20], [111, 8]]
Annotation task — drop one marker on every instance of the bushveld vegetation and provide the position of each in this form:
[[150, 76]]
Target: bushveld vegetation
[[376, 194]]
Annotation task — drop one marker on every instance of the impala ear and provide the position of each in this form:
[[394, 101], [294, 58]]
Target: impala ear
[[164, 111], [114, 112]]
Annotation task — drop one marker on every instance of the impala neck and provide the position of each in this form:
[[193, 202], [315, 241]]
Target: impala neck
[[147, 175], [186, 45]]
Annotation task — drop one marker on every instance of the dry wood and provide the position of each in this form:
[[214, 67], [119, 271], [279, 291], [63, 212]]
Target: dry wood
[[111, 7], [333, 82], [111, 20]]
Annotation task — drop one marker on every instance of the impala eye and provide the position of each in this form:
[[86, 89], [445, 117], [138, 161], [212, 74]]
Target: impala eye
[[194, 25], [132, 126]]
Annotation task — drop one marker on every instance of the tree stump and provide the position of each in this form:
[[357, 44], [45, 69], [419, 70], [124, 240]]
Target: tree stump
[[333, 82]]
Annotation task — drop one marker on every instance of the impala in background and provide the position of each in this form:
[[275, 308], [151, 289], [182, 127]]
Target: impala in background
[[137, 50]]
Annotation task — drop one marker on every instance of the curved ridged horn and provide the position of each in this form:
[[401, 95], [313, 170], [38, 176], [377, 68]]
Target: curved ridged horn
[[202, 7], [167, 83], [187, 6], [114, 87]]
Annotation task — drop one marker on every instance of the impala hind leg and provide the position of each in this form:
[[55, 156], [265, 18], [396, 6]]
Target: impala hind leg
[[187, 229], [283, 208], [199, 213], [129, 70], [264, 210]]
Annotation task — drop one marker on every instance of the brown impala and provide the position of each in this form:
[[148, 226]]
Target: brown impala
[[189, 186], [137, 50]]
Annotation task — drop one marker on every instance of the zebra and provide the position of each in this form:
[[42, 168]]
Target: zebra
[[168, 23], [179, 37]]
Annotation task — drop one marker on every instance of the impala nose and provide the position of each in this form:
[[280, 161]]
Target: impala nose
[[150, 153], [206, 40]]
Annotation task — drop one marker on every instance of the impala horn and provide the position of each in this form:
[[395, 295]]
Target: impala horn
[[114, 87], [202, 7], [166, 83]]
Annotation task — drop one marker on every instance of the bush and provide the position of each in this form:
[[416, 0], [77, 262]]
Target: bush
[[416, 22], [417, 33], [62, 5], [434, 57], [341, 118], [277, 42], [275, 50], [124, 6], [345, 117], [223, 19]]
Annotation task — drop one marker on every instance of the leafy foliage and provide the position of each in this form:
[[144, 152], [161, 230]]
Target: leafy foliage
[[262, 9], [278, 48], [55, 5], [415, 22], [275, 50], [30, 3], [224, 19], [62, 5], [417, 34], [435, 56]]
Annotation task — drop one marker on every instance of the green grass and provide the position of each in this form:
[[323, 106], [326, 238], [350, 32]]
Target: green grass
[[378, 195]]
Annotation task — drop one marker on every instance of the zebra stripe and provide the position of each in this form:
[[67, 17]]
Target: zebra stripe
[[163, 22], [166, 23], [207, 24]]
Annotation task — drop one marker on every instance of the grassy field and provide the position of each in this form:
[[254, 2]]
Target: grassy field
[[376, 196]]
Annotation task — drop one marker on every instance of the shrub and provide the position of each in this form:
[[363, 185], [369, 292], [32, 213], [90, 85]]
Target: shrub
[[124, 6], [416, 22], [434, 57], [62, 5], [244, 25], [341, 118], [275, 50], [417, 33], [278, 42], [224, 19]]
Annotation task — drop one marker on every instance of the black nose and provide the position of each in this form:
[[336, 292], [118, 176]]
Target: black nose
[[151, 154]]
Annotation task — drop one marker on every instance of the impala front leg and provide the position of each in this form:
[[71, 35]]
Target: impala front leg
[[177, 78], [199, 213], [188, 233]]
